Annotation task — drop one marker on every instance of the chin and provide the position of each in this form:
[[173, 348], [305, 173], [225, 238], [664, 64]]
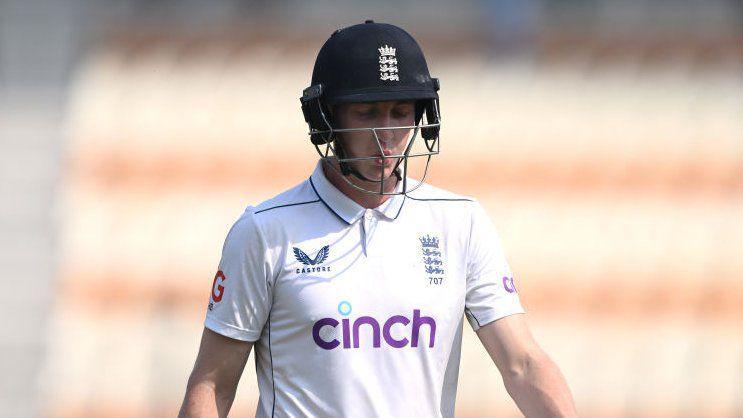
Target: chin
[[376, 173]]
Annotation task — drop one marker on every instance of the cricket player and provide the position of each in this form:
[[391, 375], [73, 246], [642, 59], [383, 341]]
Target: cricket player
[[353, 286]]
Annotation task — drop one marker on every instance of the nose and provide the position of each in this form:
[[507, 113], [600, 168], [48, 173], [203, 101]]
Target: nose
[[385, 135], [386, 141]]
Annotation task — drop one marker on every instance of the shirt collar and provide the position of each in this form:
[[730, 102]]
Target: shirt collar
[[344, 206]]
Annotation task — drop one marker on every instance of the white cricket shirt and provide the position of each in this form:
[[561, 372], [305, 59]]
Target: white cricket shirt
[[358, 312]]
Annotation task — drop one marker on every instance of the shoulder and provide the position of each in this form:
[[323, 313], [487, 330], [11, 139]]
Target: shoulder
[[299, 195], [430, 193], [274, 210], [443, 206]]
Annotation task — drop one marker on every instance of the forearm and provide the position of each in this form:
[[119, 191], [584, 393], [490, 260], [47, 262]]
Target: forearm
[[540, 390], [203, 400]]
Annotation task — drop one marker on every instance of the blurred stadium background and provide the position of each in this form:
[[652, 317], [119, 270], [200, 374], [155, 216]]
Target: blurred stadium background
[[604, 137]]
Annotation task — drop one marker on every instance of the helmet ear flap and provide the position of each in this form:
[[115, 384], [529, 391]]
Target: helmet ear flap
[[431, 108], [316, 115]]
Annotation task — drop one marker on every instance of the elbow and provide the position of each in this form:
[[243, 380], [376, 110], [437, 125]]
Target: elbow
[[516, 370], [522, 366]]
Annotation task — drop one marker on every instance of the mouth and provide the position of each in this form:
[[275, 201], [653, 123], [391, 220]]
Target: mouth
[[384, 162], [384, 159]]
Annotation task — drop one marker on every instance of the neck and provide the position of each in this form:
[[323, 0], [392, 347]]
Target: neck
[[366, 200]]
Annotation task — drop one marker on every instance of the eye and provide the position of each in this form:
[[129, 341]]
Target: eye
[[369, 113], [402, 112]]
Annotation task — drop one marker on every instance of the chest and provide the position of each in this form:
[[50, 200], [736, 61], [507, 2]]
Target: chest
[[398, 271]]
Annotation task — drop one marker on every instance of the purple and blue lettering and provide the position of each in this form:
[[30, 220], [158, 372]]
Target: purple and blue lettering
[[327, 345], [397, 319], [352, 334], [375, 330], [419, 320]]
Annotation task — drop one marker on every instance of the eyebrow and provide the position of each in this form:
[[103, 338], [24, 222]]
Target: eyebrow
[[395, 103]]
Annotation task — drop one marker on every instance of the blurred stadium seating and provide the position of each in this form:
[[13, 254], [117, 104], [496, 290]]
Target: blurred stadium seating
[[618, 195]]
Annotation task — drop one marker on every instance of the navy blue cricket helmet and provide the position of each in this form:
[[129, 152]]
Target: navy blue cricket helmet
[[370, 62]]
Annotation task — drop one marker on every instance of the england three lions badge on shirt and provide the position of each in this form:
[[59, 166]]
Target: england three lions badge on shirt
[[433, 260]]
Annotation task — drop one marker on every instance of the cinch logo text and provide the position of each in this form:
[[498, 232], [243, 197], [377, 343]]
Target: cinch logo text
[[352, 334]]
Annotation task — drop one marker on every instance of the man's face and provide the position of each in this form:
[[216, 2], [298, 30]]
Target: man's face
[[364, 144]]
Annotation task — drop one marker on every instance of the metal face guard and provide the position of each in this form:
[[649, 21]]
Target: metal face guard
[[331, 153]]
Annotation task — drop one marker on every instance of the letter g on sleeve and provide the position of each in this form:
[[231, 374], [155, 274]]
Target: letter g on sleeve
[[217, 288], [240, 296]]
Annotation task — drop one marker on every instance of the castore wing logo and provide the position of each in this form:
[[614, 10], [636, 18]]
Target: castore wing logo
[[320, 258]]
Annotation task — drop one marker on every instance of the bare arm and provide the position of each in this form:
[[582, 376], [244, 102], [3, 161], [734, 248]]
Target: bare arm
[[213, 382], [530, 376]]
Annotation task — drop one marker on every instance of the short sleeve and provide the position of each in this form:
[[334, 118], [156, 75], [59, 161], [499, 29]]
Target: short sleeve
[[491, 293], [241, 296]]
